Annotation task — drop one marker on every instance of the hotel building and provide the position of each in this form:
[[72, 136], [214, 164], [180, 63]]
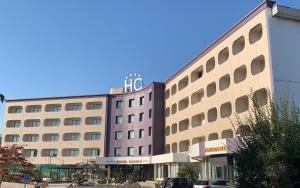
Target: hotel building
[[186, 120], [60, 131]]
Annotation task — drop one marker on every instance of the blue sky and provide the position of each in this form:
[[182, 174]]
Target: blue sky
[[77, 47]]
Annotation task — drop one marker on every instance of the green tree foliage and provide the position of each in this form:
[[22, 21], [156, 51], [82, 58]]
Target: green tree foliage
[[186, 171], [269, 146], [133, 177], [79, 178]]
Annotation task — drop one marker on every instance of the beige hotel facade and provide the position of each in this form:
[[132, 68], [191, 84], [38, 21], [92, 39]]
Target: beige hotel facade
[[257, 55]]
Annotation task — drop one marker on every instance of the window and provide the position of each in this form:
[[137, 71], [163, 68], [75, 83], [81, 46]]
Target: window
[[51, 122], [242, 104], [75, 107], [50, 137], [142, 100], [71, 136], [53, 107], [15, 109], [238, 45], [150, 96], [255, 33], [49, 152], [174, 89], [131, 103], [142, 116], [13, 124], [197, 74], [174, 108], [225, 110], [30, 153], [117, 151], [141, 133], [33, 108], [183, 83], [119, 104], [118, 135], [12, 138], [95, 152], [53, 138], [18, 109], [30, 138], [131, 118], [95, 121], [197, 120], [183, 104], [258, 65], [37, 109], [150, 113], [119, 119], [212, 115], [210, 64], [224, 82], [130, 151], [141, 150], [92, 136], [56, 108], [95, 136], [73, 152], [149, 149], [184, 125], [75, 122], [32, 123], [240, 74], [96, 106], [72, 121], [130, 134], [211, 89], [16, 124], [223, 55], [197, 96], [150, 131]]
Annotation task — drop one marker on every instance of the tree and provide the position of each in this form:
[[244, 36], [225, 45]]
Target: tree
[[13, 164], [268, 152], [186, 171]]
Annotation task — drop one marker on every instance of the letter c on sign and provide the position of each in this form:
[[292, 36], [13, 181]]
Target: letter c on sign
[[138, 84]]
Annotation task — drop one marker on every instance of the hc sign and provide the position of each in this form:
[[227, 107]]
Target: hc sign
[[133, 83]]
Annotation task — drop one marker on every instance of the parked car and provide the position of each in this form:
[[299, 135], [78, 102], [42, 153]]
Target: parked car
[[212, 183], [178, 183], [163, 183]]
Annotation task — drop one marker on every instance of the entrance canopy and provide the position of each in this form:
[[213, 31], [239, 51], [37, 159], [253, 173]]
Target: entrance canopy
[[157, 159]]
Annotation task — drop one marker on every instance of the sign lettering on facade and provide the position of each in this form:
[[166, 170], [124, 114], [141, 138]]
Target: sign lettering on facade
[[133, 82]]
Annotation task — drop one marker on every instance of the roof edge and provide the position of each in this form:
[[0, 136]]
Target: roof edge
[[265, 4]]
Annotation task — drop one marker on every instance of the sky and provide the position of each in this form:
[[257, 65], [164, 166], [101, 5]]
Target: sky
[[77, 47]]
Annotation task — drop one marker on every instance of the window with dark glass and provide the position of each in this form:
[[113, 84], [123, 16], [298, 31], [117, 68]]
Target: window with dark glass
[[142, 100], [118, 151], [150, 149], [131, 103], [118, 135], [141, 133], [130, 134], [142, 116], [131, 118], [150, 131], [119, 119], [141, 150], [150, 96], [150, 113], [119, 104]]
